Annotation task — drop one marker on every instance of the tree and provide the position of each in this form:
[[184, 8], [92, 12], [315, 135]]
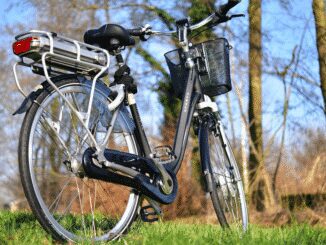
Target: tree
[[319, 10], [261, 192], [255, 98]]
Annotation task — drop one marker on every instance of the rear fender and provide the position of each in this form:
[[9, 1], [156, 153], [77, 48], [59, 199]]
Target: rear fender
[[29, 100], [126, 122]]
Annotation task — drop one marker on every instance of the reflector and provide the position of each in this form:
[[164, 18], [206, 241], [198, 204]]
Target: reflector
[[42, 51], [23, 46]]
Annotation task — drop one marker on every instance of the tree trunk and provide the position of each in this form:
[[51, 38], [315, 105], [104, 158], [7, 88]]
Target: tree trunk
[[244, 157], [318, 7], [255, 104]]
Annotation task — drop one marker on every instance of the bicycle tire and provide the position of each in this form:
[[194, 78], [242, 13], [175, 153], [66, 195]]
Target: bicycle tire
[[33, 188], [227, 183]]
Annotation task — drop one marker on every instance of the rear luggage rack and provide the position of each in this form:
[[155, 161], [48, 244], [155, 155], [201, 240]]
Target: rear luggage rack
[[48, 53]]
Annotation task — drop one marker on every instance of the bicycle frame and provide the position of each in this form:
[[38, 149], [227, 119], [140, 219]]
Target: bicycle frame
[[78, 132], [191, 97], [166, 189]]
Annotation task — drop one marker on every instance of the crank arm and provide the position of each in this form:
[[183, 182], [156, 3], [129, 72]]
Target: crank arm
[[166, 182], [155, 205]]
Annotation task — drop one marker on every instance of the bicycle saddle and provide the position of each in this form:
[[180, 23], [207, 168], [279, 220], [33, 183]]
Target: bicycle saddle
[[109, 36]]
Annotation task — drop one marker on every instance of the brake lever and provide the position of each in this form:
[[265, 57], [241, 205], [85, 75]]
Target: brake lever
[[236, 16], [225, 18]]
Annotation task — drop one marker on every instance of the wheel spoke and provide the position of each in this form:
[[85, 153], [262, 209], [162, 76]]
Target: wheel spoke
[[236, 207], [66, 130], [110, 196], [41, 134], [81, 204], [57, 198], [92, 212], [68, 206]]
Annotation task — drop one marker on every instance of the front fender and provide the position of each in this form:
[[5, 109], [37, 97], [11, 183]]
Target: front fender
[[203, 135]]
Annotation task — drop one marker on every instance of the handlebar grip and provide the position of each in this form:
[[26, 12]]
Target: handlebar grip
[[224, 8], [137, 32]]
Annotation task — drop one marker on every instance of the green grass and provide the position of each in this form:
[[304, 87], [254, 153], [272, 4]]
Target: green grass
[[22, 228]]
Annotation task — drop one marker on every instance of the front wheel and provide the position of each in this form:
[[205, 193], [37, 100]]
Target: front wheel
[[227, 194]]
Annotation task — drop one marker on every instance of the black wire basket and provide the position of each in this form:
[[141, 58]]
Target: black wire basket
[[212, 61]]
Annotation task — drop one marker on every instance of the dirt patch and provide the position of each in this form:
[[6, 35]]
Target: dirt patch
[[285, 217]]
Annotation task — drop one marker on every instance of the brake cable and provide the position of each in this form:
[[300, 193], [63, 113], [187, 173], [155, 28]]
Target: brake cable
[[221, 19]]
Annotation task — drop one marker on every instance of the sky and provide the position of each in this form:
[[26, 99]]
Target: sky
[[284, 33]]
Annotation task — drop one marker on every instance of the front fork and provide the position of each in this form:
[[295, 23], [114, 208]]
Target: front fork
[[206, 120], [204, 128], [209, 122]]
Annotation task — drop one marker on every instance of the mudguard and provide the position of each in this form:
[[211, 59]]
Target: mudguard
[[28, 101], [203, 134], [127, 124]]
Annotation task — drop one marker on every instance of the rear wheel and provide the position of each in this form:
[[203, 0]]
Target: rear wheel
[[227, 195], [69, 205]]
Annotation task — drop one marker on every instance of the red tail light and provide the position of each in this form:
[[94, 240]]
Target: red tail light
[[23, 46]]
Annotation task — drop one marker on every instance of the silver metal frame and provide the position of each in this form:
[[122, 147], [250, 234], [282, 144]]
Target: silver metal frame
[[51, 53]]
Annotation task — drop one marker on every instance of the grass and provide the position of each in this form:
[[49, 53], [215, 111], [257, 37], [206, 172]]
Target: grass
[[22, 228]]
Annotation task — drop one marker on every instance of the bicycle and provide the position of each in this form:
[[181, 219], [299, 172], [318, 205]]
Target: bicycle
[[84, 159]]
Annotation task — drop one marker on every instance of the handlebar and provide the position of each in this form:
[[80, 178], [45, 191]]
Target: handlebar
[[145, 32], [136, 32], [219, 14], [142, 32], [224, 8]]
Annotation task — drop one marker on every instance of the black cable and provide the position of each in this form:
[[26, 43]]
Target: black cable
[[222, 19], [199, 32]]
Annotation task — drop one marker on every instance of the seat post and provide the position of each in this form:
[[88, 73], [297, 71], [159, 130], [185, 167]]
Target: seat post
[[139, 130], [118, 57]]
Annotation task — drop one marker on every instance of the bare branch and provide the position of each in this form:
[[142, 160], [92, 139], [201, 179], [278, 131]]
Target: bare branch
[[156, 65], [166, 18]]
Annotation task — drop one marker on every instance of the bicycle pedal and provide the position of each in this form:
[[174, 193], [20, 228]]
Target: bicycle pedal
[[163, 153], [148, 214]]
